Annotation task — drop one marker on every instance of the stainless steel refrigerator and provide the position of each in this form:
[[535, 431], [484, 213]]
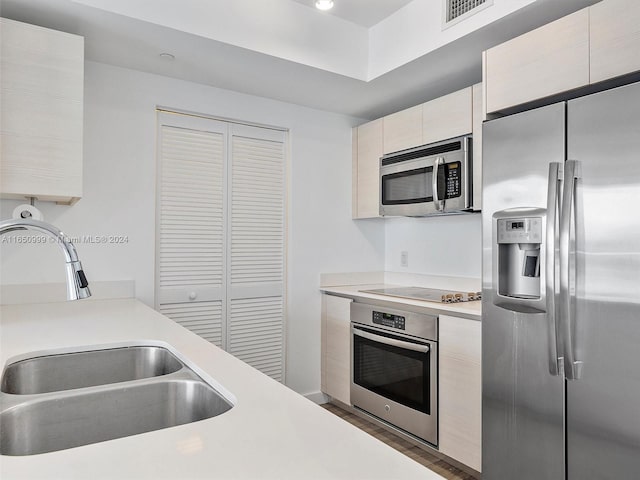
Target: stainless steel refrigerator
[[561, 291]]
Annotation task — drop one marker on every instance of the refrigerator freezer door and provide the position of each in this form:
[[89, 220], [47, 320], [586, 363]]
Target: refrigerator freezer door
[[523, 404], [603, 407]]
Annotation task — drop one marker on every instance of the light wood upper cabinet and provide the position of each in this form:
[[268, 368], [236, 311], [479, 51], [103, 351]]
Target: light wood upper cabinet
[[367, 150], [439, 119], [615, 38], [41, 94], [548, 60], [460, 389], [403, 130], [458, 113], [448, 116], [336, 347], [478, 118]]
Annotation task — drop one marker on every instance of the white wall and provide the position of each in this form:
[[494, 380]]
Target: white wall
[[301, 34], [281, 28], [449, 245], [416, 30], [119, 198]]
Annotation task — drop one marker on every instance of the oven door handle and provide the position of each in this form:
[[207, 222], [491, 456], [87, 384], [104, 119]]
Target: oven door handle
[[392, 341]]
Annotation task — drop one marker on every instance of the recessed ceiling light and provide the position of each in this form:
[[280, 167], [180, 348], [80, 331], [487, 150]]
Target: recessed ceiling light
[[167, 56], [324, 4]]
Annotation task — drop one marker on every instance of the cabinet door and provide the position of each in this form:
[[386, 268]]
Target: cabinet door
[[615, 38], [41, 93], [190, 260], [367, 170], [460, 389], [403, 129], [478, 118], [221, 235], [336, 347], [447, 117], [256, 248], [548, 60]]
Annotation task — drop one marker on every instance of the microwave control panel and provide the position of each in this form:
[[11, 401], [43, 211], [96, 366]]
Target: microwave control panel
[[389, 320], [453, 179]]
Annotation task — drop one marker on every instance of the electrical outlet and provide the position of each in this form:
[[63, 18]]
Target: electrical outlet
[[404, 259]]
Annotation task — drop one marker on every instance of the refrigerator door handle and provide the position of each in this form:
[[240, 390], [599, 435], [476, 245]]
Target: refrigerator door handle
[[573, 171], [437, 202], [556, 173]]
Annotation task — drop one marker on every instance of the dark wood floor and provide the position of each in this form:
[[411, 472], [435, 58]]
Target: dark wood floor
[[419, 455]]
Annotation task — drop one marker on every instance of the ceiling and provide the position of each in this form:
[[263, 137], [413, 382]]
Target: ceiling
[[365, 13], [129, 42]]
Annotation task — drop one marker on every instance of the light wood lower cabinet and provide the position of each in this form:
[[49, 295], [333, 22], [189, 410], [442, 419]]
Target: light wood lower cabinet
[[460, 376], [614, 27], [460, 389], [336, 347]]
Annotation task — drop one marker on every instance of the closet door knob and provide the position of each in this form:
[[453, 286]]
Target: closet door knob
[[193, 296]]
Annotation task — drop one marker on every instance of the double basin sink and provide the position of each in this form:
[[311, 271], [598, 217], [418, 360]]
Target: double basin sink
[[59, 401]]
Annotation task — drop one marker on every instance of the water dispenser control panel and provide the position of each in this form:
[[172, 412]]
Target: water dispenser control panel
[[519, 251], [520, 230]]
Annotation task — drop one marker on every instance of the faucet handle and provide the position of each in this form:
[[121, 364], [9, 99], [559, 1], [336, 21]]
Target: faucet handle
[[83, 279], [78, 285]]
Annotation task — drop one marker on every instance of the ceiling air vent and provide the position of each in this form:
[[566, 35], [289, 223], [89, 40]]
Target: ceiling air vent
[[456, 10]]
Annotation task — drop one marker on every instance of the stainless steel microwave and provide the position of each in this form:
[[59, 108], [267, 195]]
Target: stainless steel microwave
[[434, 179]]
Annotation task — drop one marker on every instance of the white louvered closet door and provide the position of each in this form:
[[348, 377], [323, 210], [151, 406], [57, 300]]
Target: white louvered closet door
[[190, 253], [256, 255]]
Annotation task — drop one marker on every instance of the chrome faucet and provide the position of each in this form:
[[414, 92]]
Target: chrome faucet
[[77, 284]]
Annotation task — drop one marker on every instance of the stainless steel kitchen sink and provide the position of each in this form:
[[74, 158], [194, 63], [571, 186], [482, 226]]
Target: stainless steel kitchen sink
[[67, 371], [65, 421], [55, 402]]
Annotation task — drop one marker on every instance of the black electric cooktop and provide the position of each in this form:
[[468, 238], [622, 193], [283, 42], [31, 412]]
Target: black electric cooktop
[[427, 294]]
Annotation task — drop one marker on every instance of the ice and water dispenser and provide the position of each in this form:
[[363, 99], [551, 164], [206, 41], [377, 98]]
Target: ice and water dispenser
[[518, 259]]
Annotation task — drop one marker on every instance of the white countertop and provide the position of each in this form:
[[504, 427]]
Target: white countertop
[[471, 310], [271, 433]]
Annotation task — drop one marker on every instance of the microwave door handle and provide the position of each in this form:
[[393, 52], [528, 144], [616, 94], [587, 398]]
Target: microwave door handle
[[434, 183], [392, 341]]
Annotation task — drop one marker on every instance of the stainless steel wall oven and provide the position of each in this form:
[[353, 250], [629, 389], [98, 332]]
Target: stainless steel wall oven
[[394, 368]]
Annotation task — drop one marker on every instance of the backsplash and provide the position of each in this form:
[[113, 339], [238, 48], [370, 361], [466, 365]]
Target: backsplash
[[377, 279], [447, 245]]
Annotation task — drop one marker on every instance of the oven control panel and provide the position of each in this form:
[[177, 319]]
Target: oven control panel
[[405, 322], [389, 320]]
